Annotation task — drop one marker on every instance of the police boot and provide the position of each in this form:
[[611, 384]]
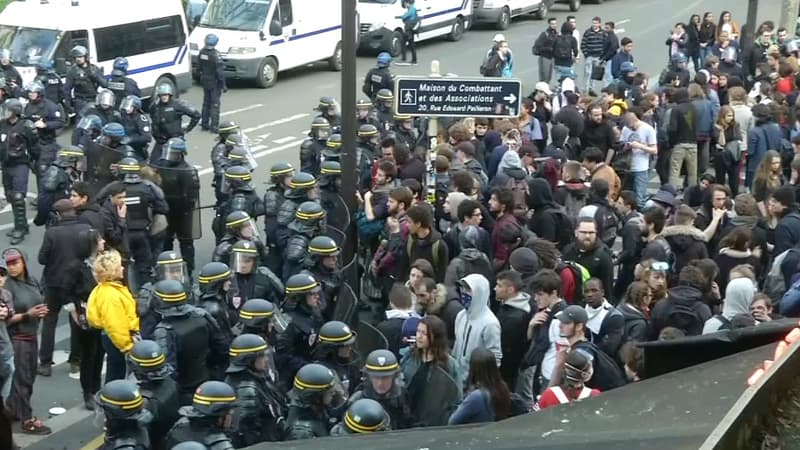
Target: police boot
[[20, 219]]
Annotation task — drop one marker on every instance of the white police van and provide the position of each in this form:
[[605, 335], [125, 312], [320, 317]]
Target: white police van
[[500, 12], [259, 38], [381, 30], [152, 34]]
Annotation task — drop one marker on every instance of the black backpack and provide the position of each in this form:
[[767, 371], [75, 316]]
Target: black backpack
[[685, 318], [607, 223], [566, 227], [607, 373], [562, 47]]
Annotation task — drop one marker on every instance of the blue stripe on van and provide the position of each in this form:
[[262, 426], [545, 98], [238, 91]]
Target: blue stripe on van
[[179, 55], [447, 11], [305, 35]]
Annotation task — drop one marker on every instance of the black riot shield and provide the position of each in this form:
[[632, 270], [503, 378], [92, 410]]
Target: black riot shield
[[442, 395], [99, 162], [336, 211], [336, 234], [346, 305], [369, 338], [184, 205]]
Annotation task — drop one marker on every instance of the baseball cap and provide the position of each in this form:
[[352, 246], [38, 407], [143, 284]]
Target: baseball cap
[[627, 66], [11, 255], [499, 37], [573, 314], [544, 87]]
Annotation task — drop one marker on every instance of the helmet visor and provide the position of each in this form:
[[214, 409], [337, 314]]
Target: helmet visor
[[128, 104], [171, 271], [244, 262], [105, 99]]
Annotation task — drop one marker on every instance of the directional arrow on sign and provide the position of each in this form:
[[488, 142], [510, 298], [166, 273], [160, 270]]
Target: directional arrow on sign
[[511, 98]]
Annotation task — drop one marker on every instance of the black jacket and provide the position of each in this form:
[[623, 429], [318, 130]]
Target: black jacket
[[59, 250], [787, 233], [635, 324], [424, 249], [689, 296], [597, 261], [682, 127], [570, 117], [544, 222], [544, 43], [514, 315], [687, 243], [600, 135]]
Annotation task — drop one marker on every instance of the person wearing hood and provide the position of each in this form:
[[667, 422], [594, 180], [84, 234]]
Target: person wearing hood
[[450, 209], [685, 298], [470, 259], [401, 309], [635, 310], [510, 168], [545, 221], [783, 204], [682, 136], [557, 148], [571, 117], [514, 314], [476, 326], [686, 242], [738, 297], [525, 262], [605, 323], [511, 141]]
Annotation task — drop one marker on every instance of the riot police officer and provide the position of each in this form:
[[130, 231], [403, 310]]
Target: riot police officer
[[88, 129], [323, 263], [219, 154], [82, 81], [137, 126], [367, 153], [311, 148], [250, 279], [238, 153], [181, 185], [328, 109], [125, 416], [241, 197], [207, 419], [9, 72], [194, 345], [384, 107], [212, 77], [103, 108], [120, 83], [57, 181], [303, 308], [215, 285], [53, 86], [166, 115], [302, 188], [46, 117], [382, 384], [379, 77], [169, 266], [280, 175], [308, 223], [17, 153], [258, 316], [330, 183], [260, 406], [333, 148], [148, 363], [405, 132], [334, 349], [363, 417], [145, 202], [239, 226], [313, 402], [113, 135], [365, 112]]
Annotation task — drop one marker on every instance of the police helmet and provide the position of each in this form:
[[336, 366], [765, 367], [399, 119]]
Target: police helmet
[[114, 130], [35, 86], [363, 103], [170, 266], [121, 63], [165, 89], [12, 105], [70, 156], [238, 175], [190, 445], [120, 399], [130, 101], [170, 293], [44, 66], [320, 128], [244, 255], [308, 211], [381, 363], [367, 130], [245, 349], [233, 139], [211, 40], [336, 334], [238, 156], [323, 246], [118, 73], [385, 95], [79, 51], [330, 168], [325, 103], [384, 59], [302, 181], [129, 166], [227, 127], [90, 122], [334, 142], [401, 117], [281, 169], [314, 378], [237, 219], [146, 356], [213, 399], [105, 98], [213, 276], [301, 283], [256, 312], [176, 146], [366, 416]]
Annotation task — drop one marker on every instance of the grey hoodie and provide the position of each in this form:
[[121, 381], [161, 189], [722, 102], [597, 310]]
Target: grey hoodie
[[738, 297], [477, 325]]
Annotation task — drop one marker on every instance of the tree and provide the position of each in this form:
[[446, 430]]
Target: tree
[[789, 12]]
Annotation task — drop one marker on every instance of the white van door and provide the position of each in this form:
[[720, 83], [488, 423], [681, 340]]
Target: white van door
[[284, 45], [438, 16]]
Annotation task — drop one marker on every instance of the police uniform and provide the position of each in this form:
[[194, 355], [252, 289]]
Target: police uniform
[[112, 136], [137, 126], [308, 221], [181, 185], [311, 148], [82, 81], [366, 113], [379, 77], [160, 391], [53, 86], [327, 108], [48, 112], [18, 139], [280, 177], [336, 212], [364, 416], [241, 197], [366, 155], [103, 108], [332, 150], [295, 343], [384, 107], [330, 279], [233, 225], [334, 336], [203, 420], [309, 416], [383, 363], [213, 295], [193, 343], [125, 416], [56, 182], [120, 84], [212, 77], [10, 73], [166, 118], [219, 161], [250, 279], [301, 189], [407, 136]]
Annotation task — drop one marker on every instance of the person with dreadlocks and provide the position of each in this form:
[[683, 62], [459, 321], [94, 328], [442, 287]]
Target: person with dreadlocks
[[577, 371]]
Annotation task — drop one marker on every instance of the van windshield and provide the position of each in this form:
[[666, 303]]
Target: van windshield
[[244, 15], [28, 45]]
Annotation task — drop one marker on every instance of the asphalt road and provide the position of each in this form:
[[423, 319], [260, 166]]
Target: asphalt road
[[276, 121]]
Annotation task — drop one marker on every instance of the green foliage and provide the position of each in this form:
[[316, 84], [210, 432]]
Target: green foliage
[[3, 4]]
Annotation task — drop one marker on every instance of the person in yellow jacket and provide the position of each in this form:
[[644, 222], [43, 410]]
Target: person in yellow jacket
[[112, 309]]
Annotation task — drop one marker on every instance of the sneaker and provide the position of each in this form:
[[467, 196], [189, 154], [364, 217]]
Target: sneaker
[[45, 370], [35, 426], [74, 368]]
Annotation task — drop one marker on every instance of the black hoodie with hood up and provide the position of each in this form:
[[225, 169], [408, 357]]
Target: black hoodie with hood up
[[545, 221]]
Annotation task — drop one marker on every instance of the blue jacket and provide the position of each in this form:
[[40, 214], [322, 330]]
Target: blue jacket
[[476, 408], [494, 160], [760, 139], [705, 117], [619, 58], [410, 15]]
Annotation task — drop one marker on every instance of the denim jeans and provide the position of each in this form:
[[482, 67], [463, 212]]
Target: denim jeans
[[640, 180], [588, 65], [608, 78], [705, 52], [564, 72]]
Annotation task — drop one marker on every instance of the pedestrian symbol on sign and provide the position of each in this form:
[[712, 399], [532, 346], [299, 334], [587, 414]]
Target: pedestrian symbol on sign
[[408, 97]]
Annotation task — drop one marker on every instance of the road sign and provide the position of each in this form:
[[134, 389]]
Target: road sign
[[457, 97]]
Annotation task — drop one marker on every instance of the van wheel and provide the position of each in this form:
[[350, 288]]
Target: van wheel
[[504, 20], [541, 14], [396, 46], [335, 61], [574, 5], [267, 73], [458, 30], [167, 80]]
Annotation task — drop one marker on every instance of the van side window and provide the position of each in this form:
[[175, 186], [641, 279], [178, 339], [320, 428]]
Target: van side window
[[69, 39], [137, 38], [285, 7]]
